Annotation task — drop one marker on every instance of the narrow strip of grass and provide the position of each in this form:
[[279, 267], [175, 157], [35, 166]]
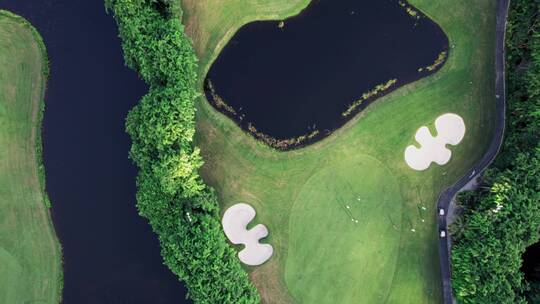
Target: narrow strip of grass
[[30, 254], [278, 184]]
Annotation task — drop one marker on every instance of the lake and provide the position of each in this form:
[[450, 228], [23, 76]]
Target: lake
[[309, 74], [110, 253]]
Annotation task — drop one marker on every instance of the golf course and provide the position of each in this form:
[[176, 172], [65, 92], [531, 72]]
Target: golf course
[[30, 255], [349, 221]]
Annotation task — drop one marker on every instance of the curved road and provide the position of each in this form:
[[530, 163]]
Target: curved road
[[447, 196]]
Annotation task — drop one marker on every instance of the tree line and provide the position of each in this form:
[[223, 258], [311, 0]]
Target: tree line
[[502, 218], [181, 209]]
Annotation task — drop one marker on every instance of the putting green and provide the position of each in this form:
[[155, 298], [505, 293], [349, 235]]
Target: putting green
[[345, 235]]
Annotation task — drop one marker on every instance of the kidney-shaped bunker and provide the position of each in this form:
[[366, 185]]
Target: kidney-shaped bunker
[[235, 221]]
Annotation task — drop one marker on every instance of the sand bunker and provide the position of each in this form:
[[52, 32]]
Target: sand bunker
[[450, 130], [235, 221]]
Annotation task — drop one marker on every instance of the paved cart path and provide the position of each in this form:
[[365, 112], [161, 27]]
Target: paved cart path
[[446, 197]]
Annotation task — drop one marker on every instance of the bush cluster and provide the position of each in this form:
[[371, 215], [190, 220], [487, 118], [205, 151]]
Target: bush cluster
[[181, 209], [503, 218]]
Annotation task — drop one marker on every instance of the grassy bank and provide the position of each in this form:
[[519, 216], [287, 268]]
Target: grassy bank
[[30, 255], [211, 23], [390, 255]]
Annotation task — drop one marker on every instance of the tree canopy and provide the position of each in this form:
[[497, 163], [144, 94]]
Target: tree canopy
[[503, 218], [181, 209]]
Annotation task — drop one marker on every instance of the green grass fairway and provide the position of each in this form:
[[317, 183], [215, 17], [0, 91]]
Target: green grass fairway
[[30, 258], [282, 184], [336, 231]]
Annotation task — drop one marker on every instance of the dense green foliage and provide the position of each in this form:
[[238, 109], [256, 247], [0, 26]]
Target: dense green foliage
[[501, 220], [181, 209]]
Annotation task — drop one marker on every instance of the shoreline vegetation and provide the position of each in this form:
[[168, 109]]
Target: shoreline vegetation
[[377, 91], [441, 59], [410, 10], [279, 144], [182, 210], [219, 102], [48, 284], [282, 144], [502, 218]]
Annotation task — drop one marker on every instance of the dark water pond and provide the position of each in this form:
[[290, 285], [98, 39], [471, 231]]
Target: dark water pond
[[110, 253], [292, 78], [531, 263]]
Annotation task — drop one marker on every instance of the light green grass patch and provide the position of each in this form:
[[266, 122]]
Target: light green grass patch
[[30, 257], [11, 276], [344, 233]]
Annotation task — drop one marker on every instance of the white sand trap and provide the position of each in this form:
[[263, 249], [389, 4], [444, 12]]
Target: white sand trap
[[235, 221], [450, 130]]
